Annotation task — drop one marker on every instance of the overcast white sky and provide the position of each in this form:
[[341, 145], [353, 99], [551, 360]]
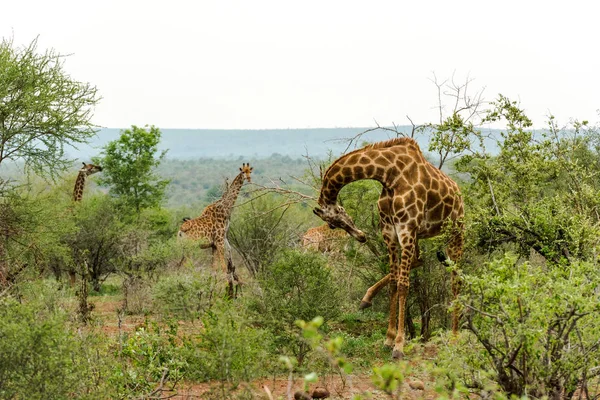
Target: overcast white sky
[[254, 64]]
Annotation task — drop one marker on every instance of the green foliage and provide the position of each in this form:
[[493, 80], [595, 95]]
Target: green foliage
[[537, 193], [359, 199], [143, 256], [198, 182], [260, 229], [535, 328], [450, 137], [297, 286], [129, 168], [40, 356], [386, 377], [32, 228], [389, 378], [97, 243], [160, 222], [149, 358], [185, 296], [42, 110], [228, 349]]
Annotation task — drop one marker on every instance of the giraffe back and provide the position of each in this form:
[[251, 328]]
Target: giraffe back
[[324, 239]]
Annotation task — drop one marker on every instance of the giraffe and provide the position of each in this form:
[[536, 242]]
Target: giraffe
[[417, 201], [212, 225], [323, 239], [84, 172]]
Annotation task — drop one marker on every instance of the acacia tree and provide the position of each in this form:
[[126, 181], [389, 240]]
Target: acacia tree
[[42, 109], [129, 165]]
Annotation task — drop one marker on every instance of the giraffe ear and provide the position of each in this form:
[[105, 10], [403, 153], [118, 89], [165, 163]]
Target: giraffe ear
[[318, 212], [83, 163]]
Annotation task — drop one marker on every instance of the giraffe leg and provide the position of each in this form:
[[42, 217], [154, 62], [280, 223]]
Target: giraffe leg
[[219, 264], [72, 277], [455, 251], [408, 241], [232, 276], [392, 331], [366, 301], [391, 241]]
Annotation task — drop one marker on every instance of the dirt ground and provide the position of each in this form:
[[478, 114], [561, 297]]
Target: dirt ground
[[279, 389], [111, 322]]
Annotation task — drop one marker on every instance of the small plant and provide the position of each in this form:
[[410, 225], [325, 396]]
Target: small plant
[[150, 362], [387, 377]]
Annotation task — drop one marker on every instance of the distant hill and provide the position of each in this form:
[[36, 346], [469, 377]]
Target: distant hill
[[199, 160], [247, 144]]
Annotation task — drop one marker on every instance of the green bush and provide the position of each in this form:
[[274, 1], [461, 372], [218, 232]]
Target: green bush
[[296, 286], [184, 296], [533, 330], [40, 356], [228, 349], [147, 359]]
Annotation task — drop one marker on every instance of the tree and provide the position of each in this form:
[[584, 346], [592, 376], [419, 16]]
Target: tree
[[531, 313], [129, 168], [42, 110], [540, 192], [532, 330]]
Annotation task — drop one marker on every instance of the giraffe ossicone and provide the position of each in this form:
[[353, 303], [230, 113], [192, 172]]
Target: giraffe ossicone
[[416, 202]]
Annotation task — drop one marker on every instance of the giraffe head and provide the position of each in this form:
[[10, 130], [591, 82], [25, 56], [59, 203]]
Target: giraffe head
[[337, 217], [246, 169], [89, 169]]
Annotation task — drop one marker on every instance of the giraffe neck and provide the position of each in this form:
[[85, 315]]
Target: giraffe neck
[[352, 167], [79, 185], [230, 196]]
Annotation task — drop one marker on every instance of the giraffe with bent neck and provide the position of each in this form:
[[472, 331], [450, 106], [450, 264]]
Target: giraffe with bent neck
[[211, 227], [417, 201]]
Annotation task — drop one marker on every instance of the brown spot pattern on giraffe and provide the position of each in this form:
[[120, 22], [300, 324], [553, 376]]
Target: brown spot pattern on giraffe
[[212, 225], [415, 202]]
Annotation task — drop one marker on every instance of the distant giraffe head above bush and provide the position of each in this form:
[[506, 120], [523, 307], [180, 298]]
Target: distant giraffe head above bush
[[85, 171]]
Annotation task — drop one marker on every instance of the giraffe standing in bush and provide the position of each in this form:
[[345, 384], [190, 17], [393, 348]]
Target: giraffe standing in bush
[[323, 238], [84, 172], [211, 227], [416, 202]]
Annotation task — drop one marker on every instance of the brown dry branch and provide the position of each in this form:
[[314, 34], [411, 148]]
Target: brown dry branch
[[294, 197], [393, 129], [158, 393], [460, 95]]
